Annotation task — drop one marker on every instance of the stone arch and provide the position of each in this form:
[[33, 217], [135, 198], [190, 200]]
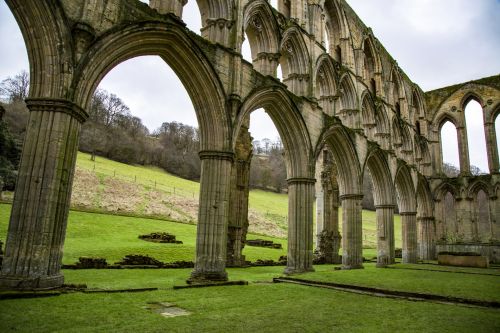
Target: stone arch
[[371, 66], [405, 189], [181, 54], [446, 223], [295, 62], [338, 33], [378, 165], [407, 204], [348, 110], [216, 20], [397, 94], [345, 157], [262, 30], [469, 96], [326, 84], [418, 111], [290, 126], [349, 179], [300, 169], [384, 205], [368, 114]]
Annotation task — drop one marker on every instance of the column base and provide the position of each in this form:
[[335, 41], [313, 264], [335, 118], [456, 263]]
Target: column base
[[293, 270], [358, 266], [204, 277], [22, 283]]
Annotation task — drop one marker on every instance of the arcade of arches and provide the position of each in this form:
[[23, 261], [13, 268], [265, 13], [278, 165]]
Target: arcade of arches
[[343, 107]]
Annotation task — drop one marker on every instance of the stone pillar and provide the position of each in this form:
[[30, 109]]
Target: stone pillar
[[316, 19], [492, 148], [385, 235], [463, 150], [352, 233], [211, 235], [409, 226], [168, 6], [300, 225], [39, 215], [427, 237], [238, 209], [328, 236]]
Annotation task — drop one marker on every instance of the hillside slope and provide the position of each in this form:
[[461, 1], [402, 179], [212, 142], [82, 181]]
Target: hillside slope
[[113, 187]]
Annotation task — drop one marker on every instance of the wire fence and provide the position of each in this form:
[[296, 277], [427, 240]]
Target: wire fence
[[152, 183]]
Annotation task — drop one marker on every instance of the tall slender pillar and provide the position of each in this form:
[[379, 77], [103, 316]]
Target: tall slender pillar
[[300, 225], [385, 235], [409, 225], [40, 209], [238, 208], [491, 146], [352, 233], [427, 238], [463, 150], [211, 235]]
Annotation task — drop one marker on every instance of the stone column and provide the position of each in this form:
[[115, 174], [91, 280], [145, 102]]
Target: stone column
[[238, 208], [211, 235], [463, 150], [491, 146], [409, 226], [328, 236], [427, 237], [300, 225], [352, 233], [39, 215], [385, 235]]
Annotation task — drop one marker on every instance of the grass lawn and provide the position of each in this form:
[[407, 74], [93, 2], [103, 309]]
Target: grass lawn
[[112, 237], [258, 307]]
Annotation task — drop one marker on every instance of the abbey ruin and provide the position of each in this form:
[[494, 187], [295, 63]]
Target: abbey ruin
[[343, 107]]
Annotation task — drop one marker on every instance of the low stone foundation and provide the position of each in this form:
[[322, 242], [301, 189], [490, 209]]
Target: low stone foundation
[[491, 251], [263, 243]]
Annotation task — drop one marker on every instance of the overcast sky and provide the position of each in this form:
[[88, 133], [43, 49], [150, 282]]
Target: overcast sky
[[436, 42]]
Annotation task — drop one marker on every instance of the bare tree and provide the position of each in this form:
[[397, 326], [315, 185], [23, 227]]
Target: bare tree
[[15, 89]]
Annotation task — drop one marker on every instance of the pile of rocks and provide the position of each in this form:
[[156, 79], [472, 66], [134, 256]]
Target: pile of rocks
[[263, 243], [260, 262], [88, 262], [139, 260], [160, 237]]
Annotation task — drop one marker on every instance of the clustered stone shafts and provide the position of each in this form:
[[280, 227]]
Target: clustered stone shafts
[[238, 210], [352, 240], [385, 235], [38, 220], [409, 226]]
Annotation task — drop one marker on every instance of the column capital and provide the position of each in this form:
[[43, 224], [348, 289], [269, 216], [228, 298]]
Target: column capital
[[216, 155], [351, 196], [300, 180], [408, 213], [57, 105]]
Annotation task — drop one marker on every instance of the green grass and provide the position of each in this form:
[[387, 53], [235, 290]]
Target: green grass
[[272, 206], [481, 287], [258, 307], [112, 237]]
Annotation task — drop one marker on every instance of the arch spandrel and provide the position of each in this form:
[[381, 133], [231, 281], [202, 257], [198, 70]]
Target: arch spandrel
[[378, 165], [173, 45]]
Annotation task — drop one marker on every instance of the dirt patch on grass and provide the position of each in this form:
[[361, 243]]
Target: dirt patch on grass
[[85, 188]]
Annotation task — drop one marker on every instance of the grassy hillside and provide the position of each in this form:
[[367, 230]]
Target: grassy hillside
[[111, 187]]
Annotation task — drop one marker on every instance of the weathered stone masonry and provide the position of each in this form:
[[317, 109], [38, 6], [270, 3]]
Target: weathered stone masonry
[[341, 93]]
